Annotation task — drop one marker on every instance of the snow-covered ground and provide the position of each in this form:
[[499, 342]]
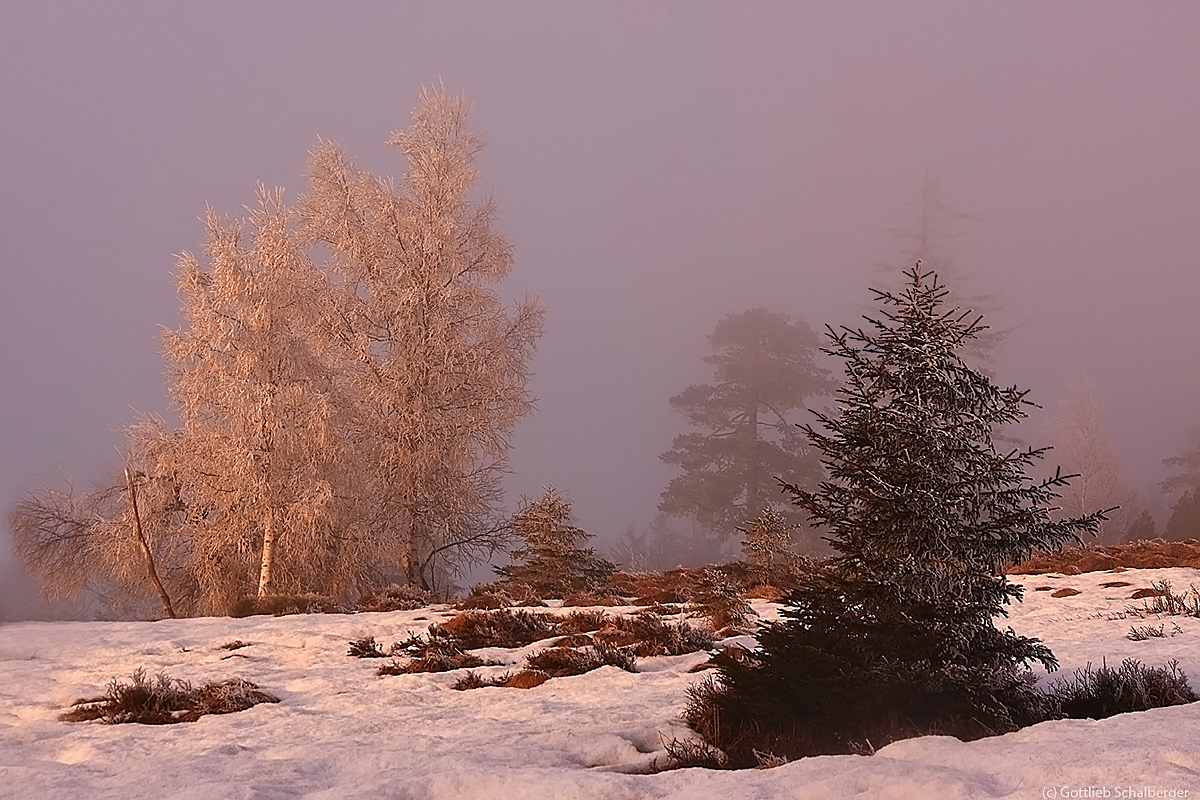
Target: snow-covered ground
[[341, 731]]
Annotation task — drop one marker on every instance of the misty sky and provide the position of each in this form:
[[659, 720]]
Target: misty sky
[[656, 166]]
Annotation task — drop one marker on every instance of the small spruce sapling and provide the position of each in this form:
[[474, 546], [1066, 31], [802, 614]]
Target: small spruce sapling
[[550, 558], [767, 554]]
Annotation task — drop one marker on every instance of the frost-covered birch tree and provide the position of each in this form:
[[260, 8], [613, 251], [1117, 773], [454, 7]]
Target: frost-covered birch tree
[[440, 364], [339, 421], [262, 450]]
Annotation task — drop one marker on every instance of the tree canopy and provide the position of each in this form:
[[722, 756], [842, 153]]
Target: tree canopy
[[744, 433]]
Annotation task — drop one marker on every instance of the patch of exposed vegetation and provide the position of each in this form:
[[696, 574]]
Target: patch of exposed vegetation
[[395, 597], [164, 700], [1105, 692], [285, 604]]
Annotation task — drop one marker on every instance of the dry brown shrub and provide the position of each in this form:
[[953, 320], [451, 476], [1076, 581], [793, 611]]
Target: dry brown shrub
[[501, 628], [559, 662], [471, 680], [664, 610], [670, 595], [1092, 561], [650, 635], [525, 679], [729, 631], [1146, 554], [575, 640], [163, 700], [500, 594], [434, 661], [583, 621], [766, 591], [394, 597], [487, 601], [285, 604], [1138, 594], [736, 652], [689, 753], [366, 647], [592, 598], [624, 583], [672, 583], [1066, 591], [1115, 584]]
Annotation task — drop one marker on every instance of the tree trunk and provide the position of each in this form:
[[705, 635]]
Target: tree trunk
[[268, 556], [752, 490], [151, 572]]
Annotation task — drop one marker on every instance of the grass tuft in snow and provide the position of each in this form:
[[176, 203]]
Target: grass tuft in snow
[[500, 628], [163, 700], [285, 604], [1163, 601], [559, 662], [1105, 692], [649, 635], [394, 597], [366, 647], [1145, 632]]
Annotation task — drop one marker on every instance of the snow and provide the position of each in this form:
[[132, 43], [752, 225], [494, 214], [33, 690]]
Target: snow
[[341, 731]]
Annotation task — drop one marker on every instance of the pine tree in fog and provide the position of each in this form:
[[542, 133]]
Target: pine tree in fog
[[931, 234], [1184, 483], [744, 433]]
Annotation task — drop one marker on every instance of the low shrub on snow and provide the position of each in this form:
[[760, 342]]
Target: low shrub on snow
[[554, 662], [162, 700], [395, 598], [559, 662], [488, 596], [583, 621], [1104, 692], [1160, 599], [366, 647], [500, 628], [434, 661], [650, 635], [434, 652], [525, 679], [284, 604], [592, 597]]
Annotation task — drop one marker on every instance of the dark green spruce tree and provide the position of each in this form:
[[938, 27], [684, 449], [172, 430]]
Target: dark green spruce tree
[[895, 637]]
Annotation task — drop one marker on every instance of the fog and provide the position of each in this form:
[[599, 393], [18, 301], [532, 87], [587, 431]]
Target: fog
[[656, 166]]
